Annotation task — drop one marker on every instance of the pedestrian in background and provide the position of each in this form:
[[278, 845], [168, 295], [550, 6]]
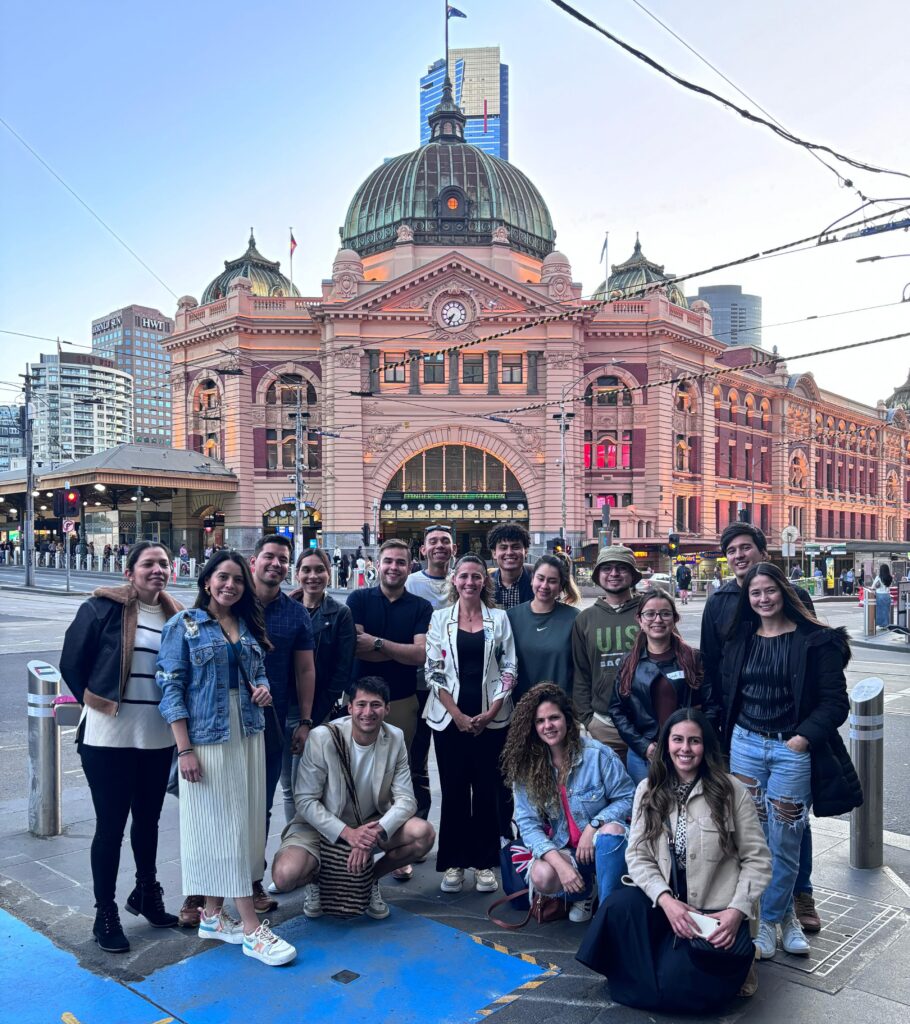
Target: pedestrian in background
[[882, 587], [470, 665], [108, 662], [211, 669]]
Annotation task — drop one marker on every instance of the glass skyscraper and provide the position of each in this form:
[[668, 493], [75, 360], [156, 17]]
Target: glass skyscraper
[[481, 85], [737, 317]]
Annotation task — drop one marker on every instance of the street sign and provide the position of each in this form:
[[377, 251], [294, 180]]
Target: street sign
[[288, 501], [789, 535], [68, 525], [788, 550]]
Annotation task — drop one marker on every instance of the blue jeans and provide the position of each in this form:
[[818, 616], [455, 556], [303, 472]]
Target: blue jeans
[[609, 862], [804, 877], [636, 766], [782, 776], [289, 764]]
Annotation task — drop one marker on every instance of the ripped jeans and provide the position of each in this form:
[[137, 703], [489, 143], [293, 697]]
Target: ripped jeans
[[782, 790]]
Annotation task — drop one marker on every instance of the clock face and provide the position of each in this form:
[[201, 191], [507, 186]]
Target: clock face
[[453, 314]]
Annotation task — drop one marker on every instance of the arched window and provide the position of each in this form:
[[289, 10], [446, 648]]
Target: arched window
[[609, 391], [455, 469], [717, 395], [608, 453], [206, 395], [283, 390], [891, 489], [684, 398], [765, 410], [682, 455], [799, 471], [733, 404]]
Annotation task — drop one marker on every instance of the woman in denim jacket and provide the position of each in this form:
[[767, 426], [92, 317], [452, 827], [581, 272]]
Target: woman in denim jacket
[[571, 792], [212, 676]]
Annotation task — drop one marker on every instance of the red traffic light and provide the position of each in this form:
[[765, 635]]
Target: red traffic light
[[71, 501]]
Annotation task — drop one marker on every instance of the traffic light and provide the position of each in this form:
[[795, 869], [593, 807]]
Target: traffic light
[[71, 502], [208, 524], [59, 504], [673, 545], [365, 534], [555, 545]]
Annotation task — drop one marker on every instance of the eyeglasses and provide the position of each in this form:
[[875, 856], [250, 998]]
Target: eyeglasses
[[665, 615], [618, 570]]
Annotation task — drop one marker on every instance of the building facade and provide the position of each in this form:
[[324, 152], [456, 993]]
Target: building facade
[[737, 317], [480, 83], [448, 370], [10, 436], [130, 338], [83, 404]]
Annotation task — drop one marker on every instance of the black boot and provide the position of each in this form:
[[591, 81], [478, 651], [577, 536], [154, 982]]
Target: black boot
[[147, 899], [107, 929]]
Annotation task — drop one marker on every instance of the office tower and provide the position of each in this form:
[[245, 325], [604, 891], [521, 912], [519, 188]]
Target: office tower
[[737, 317]]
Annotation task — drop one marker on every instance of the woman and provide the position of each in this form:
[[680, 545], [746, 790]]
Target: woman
[[542, 627], [344, 571], [470, 668], [691, 813], [334, 637], [659, 675], [785, 695], [882, 587], [108, 662], [570, 792], [211, 671]]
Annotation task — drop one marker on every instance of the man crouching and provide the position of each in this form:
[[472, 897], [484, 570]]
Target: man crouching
[[327, 810]]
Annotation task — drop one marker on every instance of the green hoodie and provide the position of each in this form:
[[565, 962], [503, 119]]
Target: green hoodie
[[601, 636]]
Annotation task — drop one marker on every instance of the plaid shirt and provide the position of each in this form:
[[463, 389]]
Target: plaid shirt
[[518, 593]]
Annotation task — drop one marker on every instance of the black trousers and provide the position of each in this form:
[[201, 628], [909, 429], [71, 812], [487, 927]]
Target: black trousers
[[419, 754], [470, 782], [124, 781]]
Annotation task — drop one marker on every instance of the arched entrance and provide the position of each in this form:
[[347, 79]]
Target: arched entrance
[[463, 486], [280, 519]]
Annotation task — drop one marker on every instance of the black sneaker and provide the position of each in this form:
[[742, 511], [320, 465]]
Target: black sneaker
[[107, 929], [147, 899]]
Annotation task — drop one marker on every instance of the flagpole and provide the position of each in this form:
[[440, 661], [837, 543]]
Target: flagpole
[[291, 247], [445, 14]]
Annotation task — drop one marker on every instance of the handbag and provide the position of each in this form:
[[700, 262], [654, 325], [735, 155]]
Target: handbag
[[274, 733], [343, 893], [542, 908]]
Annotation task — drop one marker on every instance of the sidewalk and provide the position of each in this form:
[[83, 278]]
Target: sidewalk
[[859, 969]]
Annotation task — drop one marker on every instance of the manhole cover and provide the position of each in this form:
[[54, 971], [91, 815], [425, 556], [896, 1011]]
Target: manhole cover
[[345, 977], [849, 923]]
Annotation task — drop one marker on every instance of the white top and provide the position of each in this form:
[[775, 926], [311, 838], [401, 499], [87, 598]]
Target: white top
[[434, 589], [362, 761], [138, 724]]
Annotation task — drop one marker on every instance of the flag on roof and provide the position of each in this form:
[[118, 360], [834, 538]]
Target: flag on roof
[[453, 12]]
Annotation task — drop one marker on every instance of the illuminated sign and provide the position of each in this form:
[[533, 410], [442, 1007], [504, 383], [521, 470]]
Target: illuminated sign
[[107, 325], [152, 325], [489, 496]]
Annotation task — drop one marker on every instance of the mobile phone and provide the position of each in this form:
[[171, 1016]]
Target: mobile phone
[[704, 925]]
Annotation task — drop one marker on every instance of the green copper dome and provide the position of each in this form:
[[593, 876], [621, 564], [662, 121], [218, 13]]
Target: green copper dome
[[631, 278], [264, 276], [448, 193]]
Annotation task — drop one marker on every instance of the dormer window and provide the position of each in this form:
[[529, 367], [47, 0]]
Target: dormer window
[[452, 204]]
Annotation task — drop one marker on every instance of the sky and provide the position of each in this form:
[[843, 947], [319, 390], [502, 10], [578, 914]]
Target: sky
[[181, 125]]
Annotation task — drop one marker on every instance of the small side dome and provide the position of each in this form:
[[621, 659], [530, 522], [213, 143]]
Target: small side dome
[[187, 302], [555, 263], [637, 276], [700, 306], [347, 274], [264, 275]]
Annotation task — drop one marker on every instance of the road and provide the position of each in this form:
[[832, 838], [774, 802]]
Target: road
[[32, 625]]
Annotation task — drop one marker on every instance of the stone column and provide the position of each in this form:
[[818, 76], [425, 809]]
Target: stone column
[[533, 388], [375, 379], [414, 371], [493, 372], [453, 374]]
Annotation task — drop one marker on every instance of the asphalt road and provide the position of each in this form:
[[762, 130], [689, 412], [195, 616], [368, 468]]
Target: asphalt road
[[32, 626]]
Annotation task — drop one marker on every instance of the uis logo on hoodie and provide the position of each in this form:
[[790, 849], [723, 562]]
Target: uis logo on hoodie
[[615, 639]]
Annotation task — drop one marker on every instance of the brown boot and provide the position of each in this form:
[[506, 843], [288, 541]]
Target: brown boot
[[806, 914], [190, 911], [750, 985], [262, 902]]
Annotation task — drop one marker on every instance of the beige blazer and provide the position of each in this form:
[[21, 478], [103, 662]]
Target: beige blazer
[[320, 793], [715, 880]]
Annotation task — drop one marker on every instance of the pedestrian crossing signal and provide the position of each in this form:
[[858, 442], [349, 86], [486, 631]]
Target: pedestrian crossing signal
[[673, 544]]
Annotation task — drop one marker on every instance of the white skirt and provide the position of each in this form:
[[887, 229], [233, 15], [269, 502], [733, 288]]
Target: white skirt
[[222, 817]]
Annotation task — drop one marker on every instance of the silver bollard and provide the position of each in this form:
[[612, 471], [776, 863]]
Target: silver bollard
[[45, 812], [867, 751]]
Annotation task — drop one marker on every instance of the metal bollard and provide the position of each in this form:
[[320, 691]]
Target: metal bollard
[[867, 751], [45, 813]]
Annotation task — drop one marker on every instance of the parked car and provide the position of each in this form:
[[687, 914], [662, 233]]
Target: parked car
[[656, 581]]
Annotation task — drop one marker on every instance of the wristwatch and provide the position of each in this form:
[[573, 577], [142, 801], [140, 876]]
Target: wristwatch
[[308, 722], [596, 823], [377, 643]]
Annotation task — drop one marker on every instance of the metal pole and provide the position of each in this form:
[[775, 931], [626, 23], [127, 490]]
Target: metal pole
[[68, 537], [867, 748], [45, 815], [28, 527], [138, 514], [562, 463], [298, 475]]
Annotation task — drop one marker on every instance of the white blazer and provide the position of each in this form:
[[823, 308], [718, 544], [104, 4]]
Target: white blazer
[[499, 664]]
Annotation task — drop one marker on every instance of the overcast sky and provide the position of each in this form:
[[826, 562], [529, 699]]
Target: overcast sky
[[182, 124]]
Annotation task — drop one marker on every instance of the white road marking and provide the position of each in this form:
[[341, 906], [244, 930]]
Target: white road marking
[[897, 880]]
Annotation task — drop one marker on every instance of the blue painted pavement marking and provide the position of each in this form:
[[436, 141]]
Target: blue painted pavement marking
[[410, 970], [42, 984]]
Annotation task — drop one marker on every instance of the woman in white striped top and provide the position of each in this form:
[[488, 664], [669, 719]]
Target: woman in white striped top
[[108, 662]]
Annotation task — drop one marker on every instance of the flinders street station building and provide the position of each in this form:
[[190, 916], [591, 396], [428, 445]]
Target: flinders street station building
[[449, 371]]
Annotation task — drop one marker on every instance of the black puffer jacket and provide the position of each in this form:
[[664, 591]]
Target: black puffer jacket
[[334, 638], [634, 715], [818, 656]]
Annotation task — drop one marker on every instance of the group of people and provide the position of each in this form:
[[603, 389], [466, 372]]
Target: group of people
[[542, 715]]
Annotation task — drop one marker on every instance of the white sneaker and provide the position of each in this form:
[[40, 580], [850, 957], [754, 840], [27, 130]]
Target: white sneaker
[[220, 926], [485, 880], [272, 889], [265, 946], [312, 901], [581, 911], [792, 938], [377, 908], [766, 940], [452, 880]]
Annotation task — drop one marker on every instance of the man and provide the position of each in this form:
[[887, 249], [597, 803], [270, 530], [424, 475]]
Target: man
[[602, 634], [683, 581], [432, 584], [508, 544], [796, 573], [745, 545], [379, 765], [391, 626]]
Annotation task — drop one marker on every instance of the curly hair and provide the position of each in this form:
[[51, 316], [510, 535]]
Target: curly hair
[[525, 759], [686, 657], [659, 797]]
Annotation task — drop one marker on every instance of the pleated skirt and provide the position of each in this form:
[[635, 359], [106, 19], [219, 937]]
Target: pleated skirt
[[222, 817]]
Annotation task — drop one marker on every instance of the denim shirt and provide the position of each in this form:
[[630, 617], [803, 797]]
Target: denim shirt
[[597, 788], [194, 678]]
